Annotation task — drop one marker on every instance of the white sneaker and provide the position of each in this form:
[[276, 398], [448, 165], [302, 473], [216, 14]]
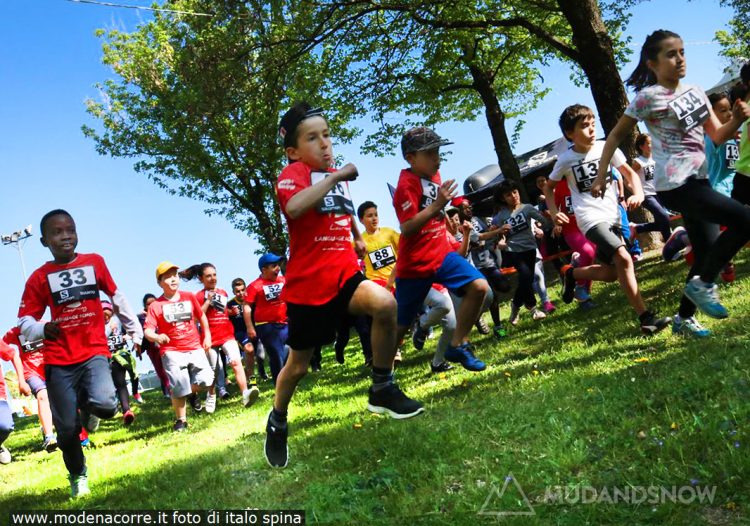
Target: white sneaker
[[4, 455], [537, 314], [210, 403], [515, 312], [250, 395]]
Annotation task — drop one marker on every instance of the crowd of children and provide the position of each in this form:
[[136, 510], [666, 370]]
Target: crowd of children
[[443, 267]]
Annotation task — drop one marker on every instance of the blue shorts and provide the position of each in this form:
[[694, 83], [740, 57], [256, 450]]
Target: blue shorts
[[36, 384], [454, 273]]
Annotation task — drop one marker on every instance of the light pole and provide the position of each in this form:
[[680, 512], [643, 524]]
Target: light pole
[[18, 239]]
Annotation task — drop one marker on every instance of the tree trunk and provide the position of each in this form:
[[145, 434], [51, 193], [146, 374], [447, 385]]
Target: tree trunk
[[496, 122], [597, 60]]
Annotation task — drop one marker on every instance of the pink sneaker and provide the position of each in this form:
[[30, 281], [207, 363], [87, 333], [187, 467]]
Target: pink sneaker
[[549, 307]]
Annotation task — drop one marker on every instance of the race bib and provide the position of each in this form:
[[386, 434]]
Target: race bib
[[429, 193], [483, 258], [75, 284], [115, 342], [585, 172], [178, 312], [569, 205], [690, 108], [219, 302], [382, 257], [337, 200], [273, 291], [517, 223], [648, 172], [29, 347], [732, 153]]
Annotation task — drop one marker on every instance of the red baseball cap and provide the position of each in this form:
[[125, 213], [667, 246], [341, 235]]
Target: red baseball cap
[[458, 201]]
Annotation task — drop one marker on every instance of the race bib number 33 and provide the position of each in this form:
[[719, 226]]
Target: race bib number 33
[[71, 285], [178, 312]]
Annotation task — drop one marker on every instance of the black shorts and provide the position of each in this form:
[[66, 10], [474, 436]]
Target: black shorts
[[608, 239], [315, 325]]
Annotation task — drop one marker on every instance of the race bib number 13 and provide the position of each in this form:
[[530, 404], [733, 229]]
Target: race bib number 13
[[585, 173], [337, 200], [690, 108], [732, 155], [75, 284]]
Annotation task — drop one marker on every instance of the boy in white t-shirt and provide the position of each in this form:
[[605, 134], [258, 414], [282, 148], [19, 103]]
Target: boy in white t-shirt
[[598, 217]]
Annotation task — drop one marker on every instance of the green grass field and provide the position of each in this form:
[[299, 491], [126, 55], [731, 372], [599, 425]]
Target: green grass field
[[578, 400]]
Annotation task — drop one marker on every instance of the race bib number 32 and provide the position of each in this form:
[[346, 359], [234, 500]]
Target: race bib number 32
[[337, 200], [690, 108], [517, 223], [71, 285], [178, 312]]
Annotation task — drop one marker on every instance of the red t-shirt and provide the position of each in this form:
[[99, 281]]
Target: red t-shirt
[[221, 327], [421, 254], [321, 256], [32, 356], [265, 295], [6, 353], [71, 291], [176, 318], [565, 205]]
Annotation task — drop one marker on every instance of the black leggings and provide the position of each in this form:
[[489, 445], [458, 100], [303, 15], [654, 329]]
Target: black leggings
[[524, 263], [121, 384], [703, 210], [741, 188]]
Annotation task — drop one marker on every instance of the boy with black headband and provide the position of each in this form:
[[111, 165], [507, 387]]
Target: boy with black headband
[[323, 280]]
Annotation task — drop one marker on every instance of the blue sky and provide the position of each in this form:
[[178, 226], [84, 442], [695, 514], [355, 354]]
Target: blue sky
[[49, 64]]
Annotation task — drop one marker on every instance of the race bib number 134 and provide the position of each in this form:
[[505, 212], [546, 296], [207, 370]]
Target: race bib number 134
[[690, 108]]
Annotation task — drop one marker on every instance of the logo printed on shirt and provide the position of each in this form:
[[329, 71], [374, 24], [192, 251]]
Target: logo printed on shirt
[[178, 311], [287, 184], [273, 291], [690, 108], [73, 285]]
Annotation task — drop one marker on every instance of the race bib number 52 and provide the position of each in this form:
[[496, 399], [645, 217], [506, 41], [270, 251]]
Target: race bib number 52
[[74, 284], [273, 291]]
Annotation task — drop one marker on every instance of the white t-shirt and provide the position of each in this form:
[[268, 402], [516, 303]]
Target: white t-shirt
[[675, 121], [646, 173], [581, 170]]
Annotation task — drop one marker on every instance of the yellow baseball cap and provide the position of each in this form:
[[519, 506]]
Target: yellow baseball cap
[[163, 268]]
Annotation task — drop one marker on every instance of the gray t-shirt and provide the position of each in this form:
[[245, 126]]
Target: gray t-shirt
[[521, 236], [481, 251]]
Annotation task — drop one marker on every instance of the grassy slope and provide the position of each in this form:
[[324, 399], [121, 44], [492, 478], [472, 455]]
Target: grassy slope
[[562, 403]]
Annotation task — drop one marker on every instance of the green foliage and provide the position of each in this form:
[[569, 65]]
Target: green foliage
[[735, 42]]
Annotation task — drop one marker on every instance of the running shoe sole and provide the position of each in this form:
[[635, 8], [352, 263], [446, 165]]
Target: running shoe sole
[[380, 410]]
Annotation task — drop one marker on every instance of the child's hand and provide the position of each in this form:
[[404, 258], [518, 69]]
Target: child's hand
[[446, 192], [162, 339], [633, 202], [347, 172], [557, 231], [233, 311], [598, 187], [51, 330], [561, 219], [741, 110], [360, 248], [466, 228], [23, 387], [505, 229]]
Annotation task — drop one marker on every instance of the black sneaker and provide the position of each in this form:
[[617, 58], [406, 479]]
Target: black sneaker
[[650, 324], [179, 426], [569, 283], [195, 402], [419, 336], [392, 401], [441, 367], [275, 447]]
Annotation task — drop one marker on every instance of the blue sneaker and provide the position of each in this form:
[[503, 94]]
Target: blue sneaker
[[465, 357], [419, 336], [705, 297], [689, 327], [581, 294]]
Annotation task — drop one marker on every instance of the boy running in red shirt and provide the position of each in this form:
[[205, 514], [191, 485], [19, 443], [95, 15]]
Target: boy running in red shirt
[[7, 353], [425, 256], [170, 322], [323, 280], [264, 297], [75, 350]]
